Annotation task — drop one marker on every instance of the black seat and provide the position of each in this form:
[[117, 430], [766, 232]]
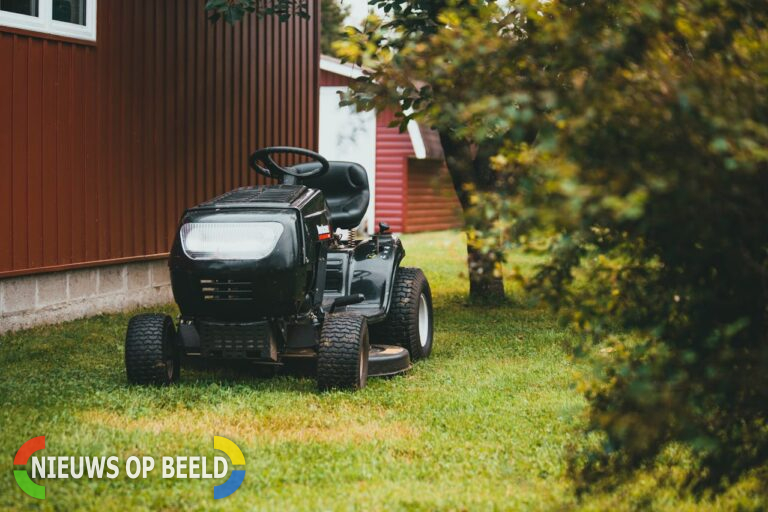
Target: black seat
[[345, 187]]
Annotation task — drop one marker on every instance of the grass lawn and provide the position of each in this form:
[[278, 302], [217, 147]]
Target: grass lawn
[[484, 424]]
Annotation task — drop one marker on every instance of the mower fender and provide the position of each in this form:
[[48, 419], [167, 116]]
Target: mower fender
[[372, 274]]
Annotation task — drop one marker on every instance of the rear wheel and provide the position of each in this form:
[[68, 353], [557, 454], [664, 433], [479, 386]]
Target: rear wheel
[[151, 357], [342, 359], [409, 321]]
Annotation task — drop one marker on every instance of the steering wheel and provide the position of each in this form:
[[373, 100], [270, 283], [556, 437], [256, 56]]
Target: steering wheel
[[273, 170]]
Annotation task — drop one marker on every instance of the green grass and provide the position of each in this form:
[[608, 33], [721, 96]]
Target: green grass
[[486, 423]]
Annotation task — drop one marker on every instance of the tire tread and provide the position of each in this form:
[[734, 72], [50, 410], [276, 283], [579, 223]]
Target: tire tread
[[144, 340], [342, 337]]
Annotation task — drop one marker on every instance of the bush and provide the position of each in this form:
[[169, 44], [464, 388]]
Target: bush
[[655, 171], [636, 134]]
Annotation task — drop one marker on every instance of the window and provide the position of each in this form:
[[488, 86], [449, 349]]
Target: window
[[28, 7], [69, 18]]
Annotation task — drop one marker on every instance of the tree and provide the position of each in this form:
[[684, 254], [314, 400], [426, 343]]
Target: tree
[[628, 139], [233, 11], [332, 16], [433, 85]]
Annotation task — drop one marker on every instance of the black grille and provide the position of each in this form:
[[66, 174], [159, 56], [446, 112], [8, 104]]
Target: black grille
[[234, 337], [226, 290], [272, 194]]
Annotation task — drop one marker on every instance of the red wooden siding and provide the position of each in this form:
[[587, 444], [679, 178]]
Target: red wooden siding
[[330, 79], [103, 146], [392, 151], [431, 201]]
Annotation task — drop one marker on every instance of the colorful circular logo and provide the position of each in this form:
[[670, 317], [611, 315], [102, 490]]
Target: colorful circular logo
[[235, 480], [21, 475]]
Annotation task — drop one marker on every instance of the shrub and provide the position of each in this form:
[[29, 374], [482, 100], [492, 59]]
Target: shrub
[[636, 134]]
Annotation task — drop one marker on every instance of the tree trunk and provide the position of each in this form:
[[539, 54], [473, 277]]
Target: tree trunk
[[470, 170], [484, 284]]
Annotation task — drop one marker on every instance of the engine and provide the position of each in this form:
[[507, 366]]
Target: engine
[[251, 254]]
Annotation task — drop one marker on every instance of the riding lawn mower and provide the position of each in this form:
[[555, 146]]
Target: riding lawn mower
[[269, 275]]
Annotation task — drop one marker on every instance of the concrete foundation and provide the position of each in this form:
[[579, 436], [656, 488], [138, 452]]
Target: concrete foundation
[[33, 300]]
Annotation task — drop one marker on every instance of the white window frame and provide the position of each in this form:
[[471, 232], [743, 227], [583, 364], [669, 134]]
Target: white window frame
[[45, 23]]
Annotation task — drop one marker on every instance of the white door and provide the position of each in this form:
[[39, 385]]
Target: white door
[[348, 135]]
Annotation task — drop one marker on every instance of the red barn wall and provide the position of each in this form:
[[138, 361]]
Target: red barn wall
[[431, 202], [392, 151], [103, 145], [329, 79]]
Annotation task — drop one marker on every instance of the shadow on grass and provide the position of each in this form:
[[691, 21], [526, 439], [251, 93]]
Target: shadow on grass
[[296, 376], [79, 365]]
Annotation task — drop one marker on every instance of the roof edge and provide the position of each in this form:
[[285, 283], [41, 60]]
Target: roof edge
[[335, 66]]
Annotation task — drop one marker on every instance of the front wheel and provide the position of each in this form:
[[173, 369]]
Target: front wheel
[[409, 321], [151, 356], [342, 358]]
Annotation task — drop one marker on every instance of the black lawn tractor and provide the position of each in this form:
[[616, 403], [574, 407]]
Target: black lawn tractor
[[261, 274]]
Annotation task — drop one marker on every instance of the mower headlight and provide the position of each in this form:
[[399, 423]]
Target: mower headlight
[[230, 240]]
